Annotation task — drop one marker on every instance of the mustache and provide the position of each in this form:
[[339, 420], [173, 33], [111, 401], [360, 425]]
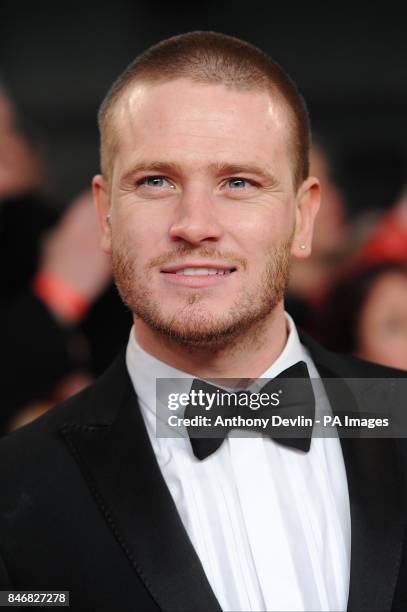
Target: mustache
[[198, 252]]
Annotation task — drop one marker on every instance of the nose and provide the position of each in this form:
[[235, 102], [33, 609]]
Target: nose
[[196, 217]]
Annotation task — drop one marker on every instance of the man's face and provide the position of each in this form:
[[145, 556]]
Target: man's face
[[204, 213]]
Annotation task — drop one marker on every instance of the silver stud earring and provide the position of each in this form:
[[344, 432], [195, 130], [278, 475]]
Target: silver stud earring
[[302, 247]]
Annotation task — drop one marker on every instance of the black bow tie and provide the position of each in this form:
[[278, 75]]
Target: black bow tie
[[289, 415]]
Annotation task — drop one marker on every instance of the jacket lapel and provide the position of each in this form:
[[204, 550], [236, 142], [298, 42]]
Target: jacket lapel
[[115, 455], [375, 483]]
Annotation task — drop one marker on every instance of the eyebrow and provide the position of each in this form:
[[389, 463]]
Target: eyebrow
[[149, 166], [220, 168]]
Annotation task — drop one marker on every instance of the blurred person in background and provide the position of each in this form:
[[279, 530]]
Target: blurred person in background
[[366, 309], [367, 314], [55, 283]]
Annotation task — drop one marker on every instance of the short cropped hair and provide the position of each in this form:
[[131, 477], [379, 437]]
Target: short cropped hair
[[210, 57]]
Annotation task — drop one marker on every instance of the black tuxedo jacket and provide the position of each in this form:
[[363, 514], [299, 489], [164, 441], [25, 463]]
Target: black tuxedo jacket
[[84, 507]]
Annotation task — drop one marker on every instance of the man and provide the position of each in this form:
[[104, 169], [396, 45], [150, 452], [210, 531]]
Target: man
[[204, 197]]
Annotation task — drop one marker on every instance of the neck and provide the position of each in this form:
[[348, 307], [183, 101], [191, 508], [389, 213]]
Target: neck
[[245, 357]]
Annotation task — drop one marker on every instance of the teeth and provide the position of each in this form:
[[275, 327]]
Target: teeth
[[202, 271]]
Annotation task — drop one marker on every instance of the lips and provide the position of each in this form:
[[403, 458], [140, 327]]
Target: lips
[[202, 271], [196, 269], [195, 275]]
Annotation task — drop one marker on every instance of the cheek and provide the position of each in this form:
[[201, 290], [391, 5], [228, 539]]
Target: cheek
[[138, 232], [262, 228]]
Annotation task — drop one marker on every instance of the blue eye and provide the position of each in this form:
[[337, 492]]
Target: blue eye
[[154, 186], [237, 183], [154, 181]]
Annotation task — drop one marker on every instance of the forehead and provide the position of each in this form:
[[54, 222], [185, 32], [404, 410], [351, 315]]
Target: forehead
[[191, 121]]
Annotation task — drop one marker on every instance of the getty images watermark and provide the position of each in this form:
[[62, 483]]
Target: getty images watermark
[[328, 407]]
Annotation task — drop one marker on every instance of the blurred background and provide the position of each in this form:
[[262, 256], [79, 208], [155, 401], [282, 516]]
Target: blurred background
[[57, 62]]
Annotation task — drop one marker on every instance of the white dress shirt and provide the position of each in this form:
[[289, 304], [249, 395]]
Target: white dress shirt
[[270, 524]]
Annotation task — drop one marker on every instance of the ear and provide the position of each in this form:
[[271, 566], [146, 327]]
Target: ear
[[101, 200], [307, 205]]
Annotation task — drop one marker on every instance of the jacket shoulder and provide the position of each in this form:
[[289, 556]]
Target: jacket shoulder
[[95, 405]]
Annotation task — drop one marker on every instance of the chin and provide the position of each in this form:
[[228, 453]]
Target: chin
[[187, 325]]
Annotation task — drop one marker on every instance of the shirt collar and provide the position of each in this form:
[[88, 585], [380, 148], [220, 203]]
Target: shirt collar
[[144, 369]]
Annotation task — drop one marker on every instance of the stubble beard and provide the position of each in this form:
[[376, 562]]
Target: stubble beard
[[193, 326]]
